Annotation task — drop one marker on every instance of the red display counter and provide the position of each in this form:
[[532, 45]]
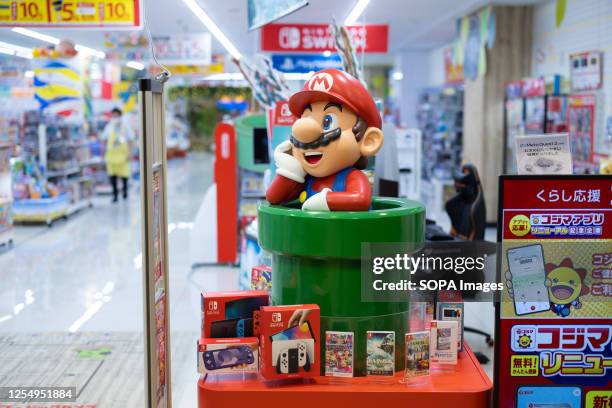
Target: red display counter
[[468, 386]]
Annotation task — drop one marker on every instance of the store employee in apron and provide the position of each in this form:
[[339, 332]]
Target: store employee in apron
[[118, 136], [338, 128]]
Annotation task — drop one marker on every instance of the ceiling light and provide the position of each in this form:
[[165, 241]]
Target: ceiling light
[[292, 76], [225, 76], [135, 65], [397, 76], [90, 51], [213, 28], [54, 40], [36, 35], [15, 50], [356, 12]]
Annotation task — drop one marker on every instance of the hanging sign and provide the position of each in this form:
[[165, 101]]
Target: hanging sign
[[319, 37], [70, 13], [184, 48], [304, 63]]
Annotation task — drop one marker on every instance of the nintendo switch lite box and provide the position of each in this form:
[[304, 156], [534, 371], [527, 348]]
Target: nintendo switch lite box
[[230, 314], [222, 356], [289, 341]]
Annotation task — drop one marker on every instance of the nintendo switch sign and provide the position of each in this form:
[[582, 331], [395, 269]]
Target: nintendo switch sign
[[319, 37]]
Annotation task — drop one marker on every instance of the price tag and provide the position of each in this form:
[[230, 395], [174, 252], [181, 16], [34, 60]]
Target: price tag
[[97, 13], [23, 12]]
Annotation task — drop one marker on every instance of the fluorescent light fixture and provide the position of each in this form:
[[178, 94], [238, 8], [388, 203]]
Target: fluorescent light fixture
[[36, 35], [54, 40], [397, 76], [90, 51], [290, 76], [356, 12], [15, 50], [135, 65], [213, 28], [225, 76], [237, 76]]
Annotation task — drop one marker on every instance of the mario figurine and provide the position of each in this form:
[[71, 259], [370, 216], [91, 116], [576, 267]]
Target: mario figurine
[[338, 128]]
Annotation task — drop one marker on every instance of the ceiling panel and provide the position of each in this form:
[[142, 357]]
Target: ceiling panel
[[414, 24]]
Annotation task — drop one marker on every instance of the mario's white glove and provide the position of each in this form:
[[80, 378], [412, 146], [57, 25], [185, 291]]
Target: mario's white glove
[[318, 202], [287, 165]]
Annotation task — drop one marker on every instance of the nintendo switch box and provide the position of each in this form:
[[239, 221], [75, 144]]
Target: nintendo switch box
[[230, 314], [222, 356], [289, 341]]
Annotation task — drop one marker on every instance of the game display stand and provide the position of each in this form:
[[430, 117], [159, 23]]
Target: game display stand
[[316, 259], [467, 387]]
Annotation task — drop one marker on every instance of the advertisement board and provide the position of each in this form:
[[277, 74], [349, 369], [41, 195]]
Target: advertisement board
[[90, 13], [261, 12], [319, 37], [154, 227], [554, 324], [304, 63]]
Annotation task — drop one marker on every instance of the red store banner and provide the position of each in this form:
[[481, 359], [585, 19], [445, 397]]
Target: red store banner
[[319, 37]]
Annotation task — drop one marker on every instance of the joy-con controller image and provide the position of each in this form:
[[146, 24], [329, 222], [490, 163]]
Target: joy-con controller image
[[228, 357], [291, 359]]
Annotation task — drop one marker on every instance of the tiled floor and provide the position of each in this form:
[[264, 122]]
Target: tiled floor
[[83, 276]]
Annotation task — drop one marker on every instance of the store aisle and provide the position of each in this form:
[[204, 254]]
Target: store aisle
[[83, 275]]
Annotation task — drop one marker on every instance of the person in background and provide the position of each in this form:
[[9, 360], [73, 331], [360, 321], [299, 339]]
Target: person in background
[[118, 136]]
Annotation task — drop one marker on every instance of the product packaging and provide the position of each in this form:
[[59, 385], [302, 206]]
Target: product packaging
[[339, 353], [230, 314], [289, 341], [261, 278], [417, 354], [380, 359], [222, 356], [443, 342], [450, 307]]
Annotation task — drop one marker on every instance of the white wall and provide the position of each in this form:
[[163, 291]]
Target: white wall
[[587, 26], [415, 67], [436, 66]]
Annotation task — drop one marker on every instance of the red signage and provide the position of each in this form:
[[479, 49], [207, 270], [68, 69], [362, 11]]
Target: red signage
[[319, 37], [282, 114], [226, 178]]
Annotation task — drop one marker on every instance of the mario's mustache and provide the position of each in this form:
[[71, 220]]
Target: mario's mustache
[[323, 140]]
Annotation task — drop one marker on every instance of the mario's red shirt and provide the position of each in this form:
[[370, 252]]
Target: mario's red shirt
[[357, 195]]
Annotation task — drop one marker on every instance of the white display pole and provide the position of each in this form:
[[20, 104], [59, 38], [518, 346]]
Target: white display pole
[[155, 245]]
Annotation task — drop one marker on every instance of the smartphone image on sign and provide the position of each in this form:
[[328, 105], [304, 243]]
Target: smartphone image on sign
[[294, 333], [526, 265]]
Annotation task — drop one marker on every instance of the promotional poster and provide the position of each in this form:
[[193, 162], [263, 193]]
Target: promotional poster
[[554, 328]]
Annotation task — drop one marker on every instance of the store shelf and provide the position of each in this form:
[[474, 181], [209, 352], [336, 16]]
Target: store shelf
[[63, 173], [43, 210], [467, 386]]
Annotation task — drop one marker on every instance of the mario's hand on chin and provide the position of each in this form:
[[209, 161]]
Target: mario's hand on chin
[[318, 202], [287, 165]]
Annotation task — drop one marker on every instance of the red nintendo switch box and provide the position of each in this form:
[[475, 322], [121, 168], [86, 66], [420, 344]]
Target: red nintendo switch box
[[288, 348], [230, 314]]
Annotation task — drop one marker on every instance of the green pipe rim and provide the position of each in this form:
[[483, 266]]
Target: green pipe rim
[[288, 230]]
